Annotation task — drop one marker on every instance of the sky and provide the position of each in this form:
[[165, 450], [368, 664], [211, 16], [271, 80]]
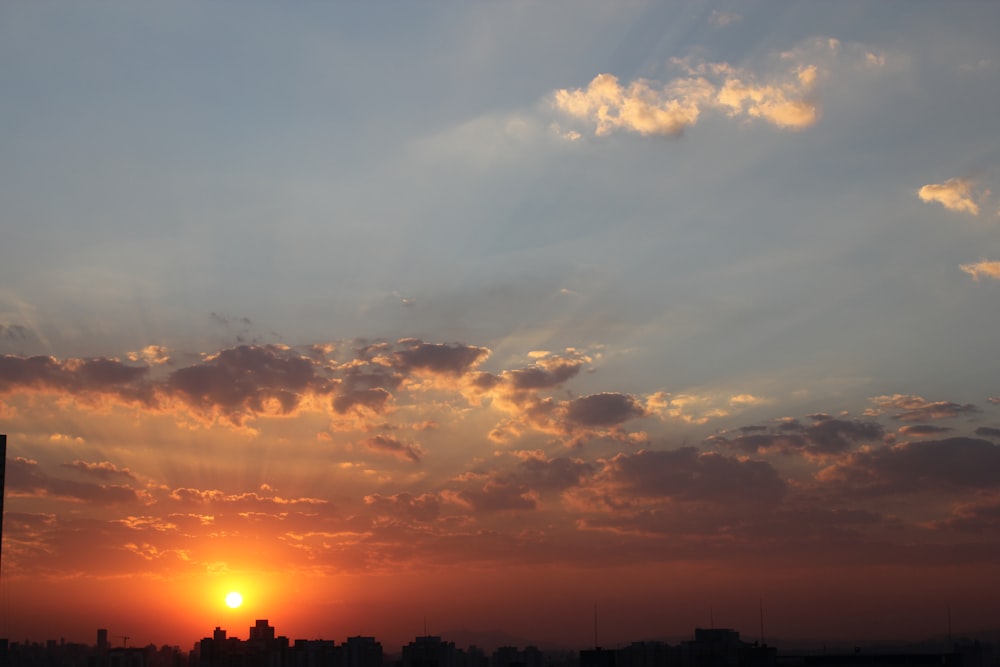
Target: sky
[[425, 317]]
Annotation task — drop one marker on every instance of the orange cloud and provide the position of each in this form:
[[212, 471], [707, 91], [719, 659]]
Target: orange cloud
[[955, 194], [649, 107], [982, 269], [643, 106]]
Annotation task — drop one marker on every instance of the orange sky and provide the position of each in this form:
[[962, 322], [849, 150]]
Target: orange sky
[[359, 489]]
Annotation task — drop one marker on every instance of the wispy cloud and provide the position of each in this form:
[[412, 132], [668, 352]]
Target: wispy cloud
[[917, 408], [722, 19]]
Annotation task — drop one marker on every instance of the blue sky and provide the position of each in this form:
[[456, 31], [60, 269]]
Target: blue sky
[[727, 213], [311, 168]]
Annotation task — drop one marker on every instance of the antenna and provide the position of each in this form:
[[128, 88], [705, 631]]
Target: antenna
[[761, 603]]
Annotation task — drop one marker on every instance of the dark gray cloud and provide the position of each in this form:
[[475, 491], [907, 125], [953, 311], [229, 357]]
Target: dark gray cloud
[[384, 444], [26, 477], [498, 495], [15, 333], [370, 399], [603, 410], [101, 470], [920, 430], [425, 507], [238, 384], [551, 374], [833, 436], [918, 409], [553, 474], [978, 516], [83, 377], [451, 360], [930, 465], [686, 474], [825, 437], [246, 379]]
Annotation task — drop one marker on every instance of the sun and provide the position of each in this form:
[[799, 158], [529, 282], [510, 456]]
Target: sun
[[234, 600]]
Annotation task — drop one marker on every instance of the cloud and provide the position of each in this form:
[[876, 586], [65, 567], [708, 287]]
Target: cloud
[[15, 333], [153, 355], [520, 393], [543, 374], [642, 106], [26, 478], [102, 470], [955, 194], [95, 376], [558, 474], [383, 444], [453, 360], [422, 508], [980, 515], [787, 105], [949, 464], [982, 269], [650, 107], [697, 408], [605, 409], [916, 408], [374, 400], [243, 381], [722, 19], [237, 385], [825, 437], [920, 430], [687, 475], [496, 495], [251, 500]]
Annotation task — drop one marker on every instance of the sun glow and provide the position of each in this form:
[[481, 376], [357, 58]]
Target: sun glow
[[234, 600]]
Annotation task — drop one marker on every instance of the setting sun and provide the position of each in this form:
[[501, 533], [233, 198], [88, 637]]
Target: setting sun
[[234, 600]]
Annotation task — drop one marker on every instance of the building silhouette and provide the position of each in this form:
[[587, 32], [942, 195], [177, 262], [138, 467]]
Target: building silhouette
[[361, 652], [429, 651]]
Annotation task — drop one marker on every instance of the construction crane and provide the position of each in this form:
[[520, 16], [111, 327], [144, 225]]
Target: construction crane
[[124, 639]]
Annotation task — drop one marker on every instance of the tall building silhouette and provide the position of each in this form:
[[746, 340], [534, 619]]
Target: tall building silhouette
[[362, 652], [429, 651]]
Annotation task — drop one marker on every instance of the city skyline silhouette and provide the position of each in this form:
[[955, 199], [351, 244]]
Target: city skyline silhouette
[[706, 647]]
